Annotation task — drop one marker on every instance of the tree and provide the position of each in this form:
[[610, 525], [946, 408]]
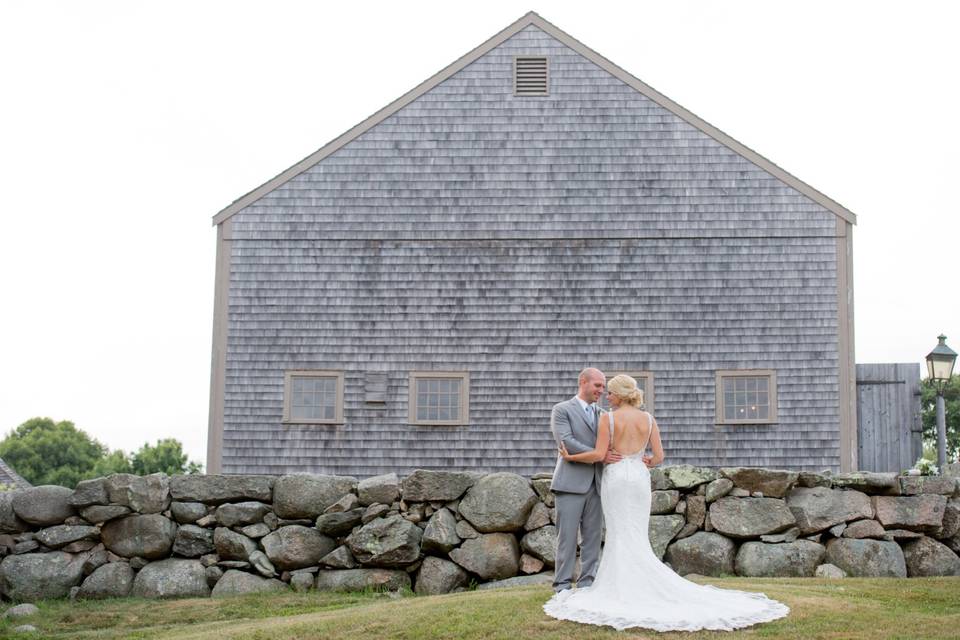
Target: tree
[[114, 462], [951, 397], [166, 456], [48, 452]]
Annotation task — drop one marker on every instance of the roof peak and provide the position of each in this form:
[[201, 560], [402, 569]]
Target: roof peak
[[535, 19]]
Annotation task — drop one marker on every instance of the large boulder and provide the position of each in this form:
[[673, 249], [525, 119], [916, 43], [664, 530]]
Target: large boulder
[[171, 578], [362, 579], [873, 483], [217, 489], [743, 518], [664, 501], [542, 487], [384, 489], [426, 486], [98, 514], [441, 532], [187, 512], [438, 575], [235, 582], [193, 541], [542, 543], [307, 495], [810, 479], [259, 561], [951, 520], [492, 556], [43, 506], [662, 530], [792, 559], [953, 543], [685, 476], [918, 485], [231, 545], [819, 508], [659, 480], [867, 558], [923, 513], [772, 483], [539, 517], [111, 580], [40, 576], [717, 489], [339, 523], [864, 529], [63, 534], [90, 492], [296, 547], [707, 554], [10, 522], [927, 557], [498, 502], [386, 542], [241, 513], [147, 536], [339, 558], [143, 494]]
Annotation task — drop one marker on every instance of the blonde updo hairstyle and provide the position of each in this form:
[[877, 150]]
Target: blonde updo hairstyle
[[625, 388]]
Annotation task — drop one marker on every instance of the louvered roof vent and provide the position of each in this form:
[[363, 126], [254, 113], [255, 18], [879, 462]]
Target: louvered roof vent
[[530, 76]]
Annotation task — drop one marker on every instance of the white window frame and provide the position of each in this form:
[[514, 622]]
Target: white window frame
[[771, 375], [464, 378], [312, 373], [648, 392]]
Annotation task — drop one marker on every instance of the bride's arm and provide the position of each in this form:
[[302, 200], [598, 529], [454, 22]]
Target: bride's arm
[[597, 454], [655, 444]]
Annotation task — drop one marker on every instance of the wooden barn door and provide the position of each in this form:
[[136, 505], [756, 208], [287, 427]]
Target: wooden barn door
[[888, 416]]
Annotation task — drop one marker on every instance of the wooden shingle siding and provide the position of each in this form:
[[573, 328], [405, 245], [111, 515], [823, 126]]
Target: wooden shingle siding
[[521, 239]]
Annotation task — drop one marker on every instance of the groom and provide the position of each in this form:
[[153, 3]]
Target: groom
[[577, 485]]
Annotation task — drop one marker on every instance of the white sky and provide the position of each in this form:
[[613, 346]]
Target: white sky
[[125, 126]]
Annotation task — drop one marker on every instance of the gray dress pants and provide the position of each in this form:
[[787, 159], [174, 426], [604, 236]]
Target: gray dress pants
[[578, 513]]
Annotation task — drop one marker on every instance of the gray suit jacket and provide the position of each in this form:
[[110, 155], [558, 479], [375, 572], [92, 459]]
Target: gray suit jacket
[[569, 425]]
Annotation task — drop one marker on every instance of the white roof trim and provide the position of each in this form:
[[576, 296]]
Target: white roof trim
[[533, 18]]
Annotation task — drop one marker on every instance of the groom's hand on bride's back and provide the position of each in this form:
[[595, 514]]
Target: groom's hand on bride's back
[[611, 457]]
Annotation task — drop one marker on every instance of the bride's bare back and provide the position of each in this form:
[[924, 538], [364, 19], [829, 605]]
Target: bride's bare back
[[631, 430]]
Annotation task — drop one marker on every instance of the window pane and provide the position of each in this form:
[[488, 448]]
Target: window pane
[[313, 398], [749, 401]]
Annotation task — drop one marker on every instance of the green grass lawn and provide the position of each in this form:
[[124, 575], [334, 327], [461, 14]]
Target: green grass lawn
[[848, 609]]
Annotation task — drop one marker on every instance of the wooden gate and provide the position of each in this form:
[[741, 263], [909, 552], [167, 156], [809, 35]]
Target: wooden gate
[[888, 416]]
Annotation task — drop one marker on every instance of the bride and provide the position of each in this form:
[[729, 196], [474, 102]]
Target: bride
[[633, 588]]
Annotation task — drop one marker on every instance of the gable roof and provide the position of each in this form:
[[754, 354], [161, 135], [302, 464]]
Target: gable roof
[[10, 477], [532, 18]]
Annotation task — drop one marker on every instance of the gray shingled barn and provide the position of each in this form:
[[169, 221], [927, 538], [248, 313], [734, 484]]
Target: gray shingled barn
[[419, 292]]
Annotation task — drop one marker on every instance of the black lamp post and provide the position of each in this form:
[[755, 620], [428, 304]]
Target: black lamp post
[[940, 363]]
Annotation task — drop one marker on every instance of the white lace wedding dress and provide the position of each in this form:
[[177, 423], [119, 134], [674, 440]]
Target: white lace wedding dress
[[634, 589]]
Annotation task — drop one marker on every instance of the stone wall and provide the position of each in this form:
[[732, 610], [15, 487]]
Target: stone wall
[[440, 531]]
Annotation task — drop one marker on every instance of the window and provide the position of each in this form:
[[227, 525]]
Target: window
[[439, 397], [644, 383], [313, 397], [530, 76], [747, 397]]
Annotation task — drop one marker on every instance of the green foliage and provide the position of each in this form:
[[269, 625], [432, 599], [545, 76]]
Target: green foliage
[[48, 452], [166, 456], [951, 397], [114, 462]]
